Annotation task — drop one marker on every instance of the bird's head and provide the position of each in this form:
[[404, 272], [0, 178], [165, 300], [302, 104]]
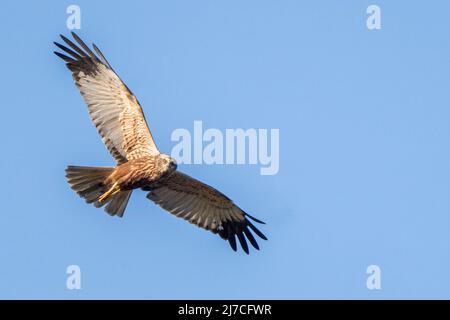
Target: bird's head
[[169, 163]]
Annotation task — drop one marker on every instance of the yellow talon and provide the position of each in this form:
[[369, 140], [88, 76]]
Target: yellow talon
[[112, 191]]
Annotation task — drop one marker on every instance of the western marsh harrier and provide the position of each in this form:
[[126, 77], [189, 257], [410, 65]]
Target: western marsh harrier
[[119, 119]]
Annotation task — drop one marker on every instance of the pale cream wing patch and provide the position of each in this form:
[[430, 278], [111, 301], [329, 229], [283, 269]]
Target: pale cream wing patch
[[206, 207], [113, 109]]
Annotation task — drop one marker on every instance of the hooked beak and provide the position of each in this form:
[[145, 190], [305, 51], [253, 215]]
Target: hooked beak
[[173, 165]]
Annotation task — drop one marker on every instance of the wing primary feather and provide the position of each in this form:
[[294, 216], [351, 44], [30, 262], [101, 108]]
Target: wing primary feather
[[73, 46], [101, 56], [232, 241], [84, 46], [231, 238], [250, 238], [64, 57], [253, 218], [241, 238], [255, 230], [67, 50]]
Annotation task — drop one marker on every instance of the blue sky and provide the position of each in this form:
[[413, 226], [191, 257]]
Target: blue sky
[[364, 123]]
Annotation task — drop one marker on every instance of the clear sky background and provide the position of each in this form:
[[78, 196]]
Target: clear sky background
[[364, 119]]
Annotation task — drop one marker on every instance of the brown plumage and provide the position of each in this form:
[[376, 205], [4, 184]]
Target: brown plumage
[[119, 119]]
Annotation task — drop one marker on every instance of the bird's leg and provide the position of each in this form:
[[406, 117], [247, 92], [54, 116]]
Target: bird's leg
[[112, 191]]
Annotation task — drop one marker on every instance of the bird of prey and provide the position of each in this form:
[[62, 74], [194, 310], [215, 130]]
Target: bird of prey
[[120, 121]]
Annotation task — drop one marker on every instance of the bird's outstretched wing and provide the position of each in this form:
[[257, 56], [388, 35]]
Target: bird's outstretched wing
[[206, 207], [113, 109]]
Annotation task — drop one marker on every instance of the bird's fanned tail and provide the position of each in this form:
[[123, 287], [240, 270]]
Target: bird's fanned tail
[[88, 183]]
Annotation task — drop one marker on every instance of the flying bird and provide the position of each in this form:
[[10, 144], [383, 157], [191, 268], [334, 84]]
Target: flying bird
[[120, 121]]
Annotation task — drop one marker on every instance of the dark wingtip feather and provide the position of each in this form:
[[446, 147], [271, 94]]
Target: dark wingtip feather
[[63, 56], [73, 46], [232, 242], [253, 218], [231, 238], [250, 238], [68, 51], [64, 38], [242, 230], [76, 37], [84, 45], [242, 242], [255, 230], [102, 57]]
